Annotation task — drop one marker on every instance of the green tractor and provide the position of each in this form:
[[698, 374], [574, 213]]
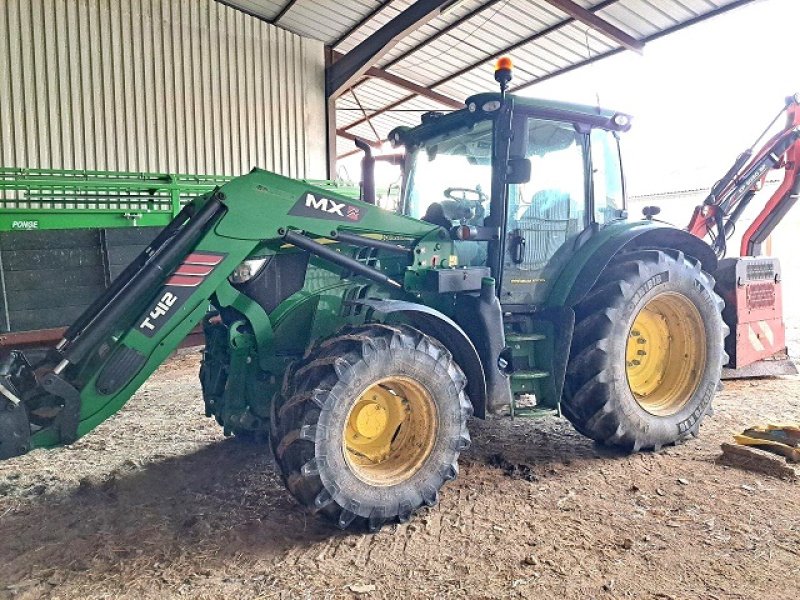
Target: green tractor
[[362, 340]]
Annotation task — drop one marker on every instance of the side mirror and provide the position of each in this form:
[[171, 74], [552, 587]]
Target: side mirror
[[518, 170]]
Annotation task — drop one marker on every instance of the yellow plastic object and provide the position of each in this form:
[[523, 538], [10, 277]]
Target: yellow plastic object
[[665, 354], [781, 439], [390, 431]]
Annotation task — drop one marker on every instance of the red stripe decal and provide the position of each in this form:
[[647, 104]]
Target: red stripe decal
[[199, 270], [197, 258], [184, 281]]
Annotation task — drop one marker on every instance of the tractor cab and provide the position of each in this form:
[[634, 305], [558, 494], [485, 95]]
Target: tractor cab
[[517, 181]]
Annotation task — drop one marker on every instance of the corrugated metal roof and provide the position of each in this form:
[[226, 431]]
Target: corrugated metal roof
[[453, 54]]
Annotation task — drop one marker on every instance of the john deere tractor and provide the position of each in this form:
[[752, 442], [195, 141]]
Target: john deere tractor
[[508, 282]]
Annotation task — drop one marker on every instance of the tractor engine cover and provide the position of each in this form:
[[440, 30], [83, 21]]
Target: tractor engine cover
[[751, 288]]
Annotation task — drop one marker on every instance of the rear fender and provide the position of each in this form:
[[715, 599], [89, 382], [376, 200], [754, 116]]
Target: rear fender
[[575, 282], [440, 326]]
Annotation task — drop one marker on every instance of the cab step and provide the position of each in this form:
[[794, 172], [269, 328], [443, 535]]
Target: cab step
[[527, 375], [535, 412], [525, 337]]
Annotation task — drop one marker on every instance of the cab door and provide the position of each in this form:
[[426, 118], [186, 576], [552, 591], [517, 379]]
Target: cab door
[[546, 214]]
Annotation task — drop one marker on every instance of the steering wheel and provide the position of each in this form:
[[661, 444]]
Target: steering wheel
[[479, 196]]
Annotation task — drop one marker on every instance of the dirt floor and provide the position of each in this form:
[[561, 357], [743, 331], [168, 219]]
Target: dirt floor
[[156, 503]]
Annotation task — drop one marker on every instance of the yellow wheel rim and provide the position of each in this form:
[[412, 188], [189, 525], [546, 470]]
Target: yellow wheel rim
[[390, 431], [665, 354]]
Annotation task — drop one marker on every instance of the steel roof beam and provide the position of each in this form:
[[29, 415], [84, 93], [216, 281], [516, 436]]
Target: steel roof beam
[[349, 136], [587, 17], [346, 71], [282, 12], [375, 113], [473, 66], [366, 116], [366, 19], [402, 82], [444, 30], [537, 35], [419, 90]]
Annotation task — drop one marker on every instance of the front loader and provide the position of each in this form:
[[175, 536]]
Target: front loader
[[509, 282]]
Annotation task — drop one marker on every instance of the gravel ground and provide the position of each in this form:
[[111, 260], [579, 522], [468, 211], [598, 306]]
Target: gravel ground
[[156, 503]]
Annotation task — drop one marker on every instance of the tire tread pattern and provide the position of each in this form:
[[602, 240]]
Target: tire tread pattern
[[307, 388]]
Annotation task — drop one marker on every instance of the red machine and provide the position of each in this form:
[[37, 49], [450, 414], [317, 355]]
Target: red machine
[[751, 284]]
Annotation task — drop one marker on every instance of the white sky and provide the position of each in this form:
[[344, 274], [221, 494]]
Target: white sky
[[698, 97]]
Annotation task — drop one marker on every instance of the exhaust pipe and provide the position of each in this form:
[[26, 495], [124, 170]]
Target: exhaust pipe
[[367, 172]]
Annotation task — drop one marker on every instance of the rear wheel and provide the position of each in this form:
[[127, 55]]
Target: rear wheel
[[647, 352], [369, 426]]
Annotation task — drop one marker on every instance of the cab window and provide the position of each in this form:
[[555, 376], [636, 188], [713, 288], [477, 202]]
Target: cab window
[[546, 214], [449, 180], [607, 183]]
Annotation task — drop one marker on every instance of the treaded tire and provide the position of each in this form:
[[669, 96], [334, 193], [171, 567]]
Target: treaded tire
[[310, 413], [597, 397]]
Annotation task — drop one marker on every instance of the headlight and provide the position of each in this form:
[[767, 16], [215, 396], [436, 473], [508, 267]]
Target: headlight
[[247, 270]]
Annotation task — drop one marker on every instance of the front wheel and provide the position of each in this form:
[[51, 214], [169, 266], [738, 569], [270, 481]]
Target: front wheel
[[647, 352], [369, 426]]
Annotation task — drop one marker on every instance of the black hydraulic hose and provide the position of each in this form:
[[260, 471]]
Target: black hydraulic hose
[[143, 283], [360, 240], [124, 278], [738, 210], [309, 245], [741, 160]]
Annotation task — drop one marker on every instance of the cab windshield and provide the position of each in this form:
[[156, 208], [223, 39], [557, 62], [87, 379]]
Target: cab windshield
[[449, 180]]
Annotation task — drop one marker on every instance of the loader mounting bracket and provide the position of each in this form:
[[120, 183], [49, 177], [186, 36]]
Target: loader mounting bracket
[[69, 416]]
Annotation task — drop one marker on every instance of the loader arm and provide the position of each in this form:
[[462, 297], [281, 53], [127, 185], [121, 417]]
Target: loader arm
[[116, 344]]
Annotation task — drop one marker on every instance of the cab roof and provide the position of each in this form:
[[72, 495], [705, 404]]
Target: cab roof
[[485, 106]]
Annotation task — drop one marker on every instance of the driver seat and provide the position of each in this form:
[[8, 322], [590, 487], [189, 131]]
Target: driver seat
[[435, 215]]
